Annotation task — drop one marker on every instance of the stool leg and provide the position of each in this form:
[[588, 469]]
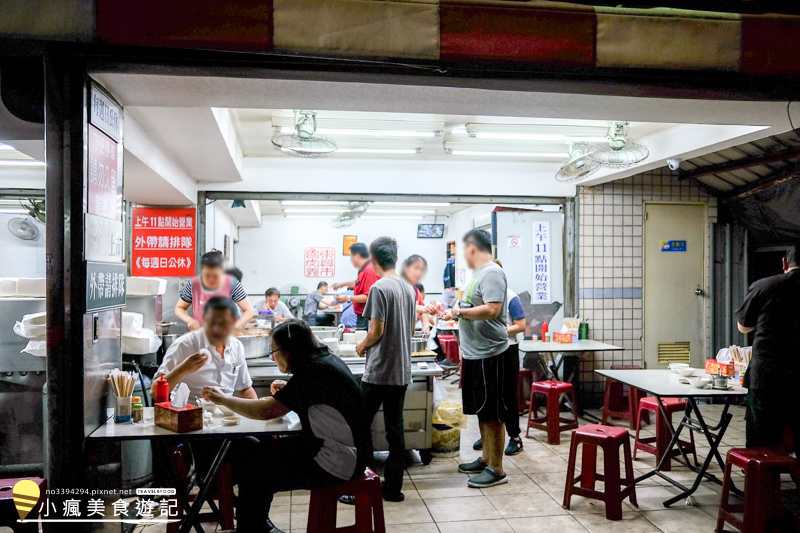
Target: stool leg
[[723, 503], [629, 477], [573, 451], [662, 438], [613, 491], [533, 407], [225, 488], [553, 419], [606, 401], [574, 402], [364, 513], [638, 427], [589, 466], [377, 512]]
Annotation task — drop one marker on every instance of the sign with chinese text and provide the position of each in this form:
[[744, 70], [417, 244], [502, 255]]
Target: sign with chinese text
[[673, 246], [348, 241], [105, 285], [542, 266], [105, 114], [103, 198], [319, 262], [163, 242]]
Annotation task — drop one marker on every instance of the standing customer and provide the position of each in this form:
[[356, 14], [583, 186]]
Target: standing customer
[[391, 310], [359, 258], [489, 368], [772, 310]]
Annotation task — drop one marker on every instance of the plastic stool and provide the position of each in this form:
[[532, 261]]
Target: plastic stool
[[762, 490], [524, 377], [369, 506], [609, 438], [552, 422], [616, 405], [663, 433]]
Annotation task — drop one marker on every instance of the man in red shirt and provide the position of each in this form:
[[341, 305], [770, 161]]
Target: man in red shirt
[[359, 257]]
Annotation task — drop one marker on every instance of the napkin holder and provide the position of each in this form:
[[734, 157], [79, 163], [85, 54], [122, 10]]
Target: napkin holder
[[179, 419]]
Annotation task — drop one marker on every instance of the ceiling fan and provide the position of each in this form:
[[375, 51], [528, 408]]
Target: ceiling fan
[[304, 142], [619, 151], [352, 212], [577, 165]]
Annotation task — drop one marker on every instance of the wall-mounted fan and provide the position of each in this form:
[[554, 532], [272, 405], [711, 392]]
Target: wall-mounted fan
[[352, 211], [24, 229], [294, 296], [304, 142], [577, 165], [619, 151]]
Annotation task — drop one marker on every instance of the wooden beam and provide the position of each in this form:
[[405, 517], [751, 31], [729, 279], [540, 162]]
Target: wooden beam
[[737, 164], [779, 178]]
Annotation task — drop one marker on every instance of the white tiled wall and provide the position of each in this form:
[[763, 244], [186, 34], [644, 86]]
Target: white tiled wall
[[611, 269]]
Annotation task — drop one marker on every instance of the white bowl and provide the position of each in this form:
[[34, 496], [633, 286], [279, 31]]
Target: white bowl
[[699, 383], [685, 372], [675, 366]]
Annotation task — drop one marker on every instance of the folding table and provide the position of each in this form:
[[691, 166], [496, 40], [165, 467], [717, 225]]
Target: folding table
[[665, 384], [550, 350], [161, 439]]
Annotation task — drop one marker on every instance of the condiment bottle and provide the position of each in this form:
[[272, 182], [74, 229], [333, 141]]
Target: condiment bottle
[[162, 390], [544, 330], [137, 412]]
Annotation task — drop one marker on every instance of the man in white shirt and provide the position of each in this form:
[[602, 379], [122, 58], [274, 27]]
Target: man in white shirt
[[272, 302], [210, 355]]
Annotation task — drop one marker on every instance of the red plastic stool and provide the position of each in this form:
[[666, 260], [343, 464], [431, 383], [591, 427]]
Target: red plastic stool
[[617, 405], [609, 438], [524, 377], [552, 421], [369, 506], [663, 433], [762, 490]]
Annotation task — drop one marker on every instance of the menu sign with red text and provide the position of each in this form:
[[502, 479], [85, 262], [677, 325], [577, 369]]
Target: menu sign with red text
[[163, 242], [103, 197], [319, 262]]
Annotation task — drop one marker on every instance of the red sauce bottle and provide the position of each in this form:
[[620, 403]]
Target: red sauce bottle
[[162, 390], [544, 330]]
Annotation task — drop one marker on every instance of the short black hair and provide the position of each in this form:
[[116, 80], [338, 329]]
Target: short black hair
[[384, 252], [220, 303], [359, 248], [322, 284], [271, 292], [235, 272], [295, 338], [793, 255], [419, 287], [212, 259], [411, 259], [480, 238]]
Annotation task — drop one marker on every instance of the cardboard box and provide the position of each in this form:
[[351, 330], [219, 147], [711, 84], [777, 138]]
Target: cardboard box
[[189, 418], [713, 367]]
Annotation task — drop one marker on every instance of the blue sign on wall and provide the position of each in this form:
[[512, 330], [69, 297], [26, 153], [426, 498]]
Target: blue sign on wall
[[673, 246]]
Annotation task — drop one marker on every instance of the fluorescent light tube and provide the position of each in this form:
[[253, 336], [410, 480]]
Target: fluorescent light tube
[[6, 148], [533, 155], [374, 212], [20, 163], [378, 150], [365, 132], [420, 204], [545, 137]]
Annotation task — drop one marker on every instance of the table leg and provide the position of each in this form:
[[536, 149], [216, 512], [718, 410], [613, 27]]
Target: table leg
[[205, 489], [163, 451]]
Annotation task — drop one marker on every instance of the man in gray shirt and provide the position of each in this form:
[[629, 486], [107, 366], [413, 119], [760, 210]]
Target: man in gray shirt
[[489, 368], [316, 302], [391, 310]]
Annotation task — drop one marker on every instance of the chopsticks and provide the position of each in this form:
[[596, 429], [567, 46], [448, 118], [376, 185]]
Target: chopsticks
[[122, 382]]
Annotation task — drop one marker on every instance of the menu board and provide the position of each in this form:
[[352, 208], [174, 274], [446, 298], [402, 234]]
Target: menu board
[[319, 262], [541, 262], [163, 242], [103, 183]]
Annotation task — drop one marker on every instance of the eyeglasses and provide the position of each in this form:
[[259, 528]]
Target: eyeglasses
[[271, 352]]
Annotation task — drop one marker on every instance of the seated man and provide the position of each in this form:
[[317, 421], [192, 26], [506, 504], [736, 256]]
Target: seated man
[[273, 303], [210, 355], [315, 303]]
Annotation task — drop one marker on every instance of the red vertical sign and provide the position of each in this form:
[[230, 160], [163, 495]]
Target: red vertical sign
[[163, 242], [103, 179]]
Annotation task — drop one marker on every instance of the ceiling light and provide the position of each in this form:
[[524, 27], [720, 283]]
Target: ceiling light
[[545, 137], [13, 210], [532, 155], [6, 148], [368, 133], [393, 217], [537, 132], [374, 212], [310, 202], [20, 163], [307, 216], [378, 151], [421, 204]]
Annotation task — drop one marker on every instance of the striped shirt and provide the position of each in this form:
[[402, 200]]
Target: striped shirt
[[237, 291]]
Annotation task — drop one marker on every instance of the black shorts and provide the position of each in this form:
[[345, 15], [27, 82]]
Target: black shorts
[[490, 386]]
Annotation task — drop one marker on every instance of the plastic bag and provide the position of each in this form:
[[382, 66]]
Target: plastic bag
[[449, 415], [141, 342], [439, 394], [36, 347], [131, 322], [431, 345], [32, 326], [724, 356]]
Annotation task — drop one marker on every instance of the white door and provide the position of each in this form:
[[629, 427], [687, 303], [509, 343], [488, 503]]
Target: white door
[[674, 299]]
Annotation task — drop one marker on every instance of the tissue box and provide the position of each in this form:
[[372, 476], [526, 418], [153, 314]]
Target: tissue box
[[713, 367], [564, 338], [189, 418]]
